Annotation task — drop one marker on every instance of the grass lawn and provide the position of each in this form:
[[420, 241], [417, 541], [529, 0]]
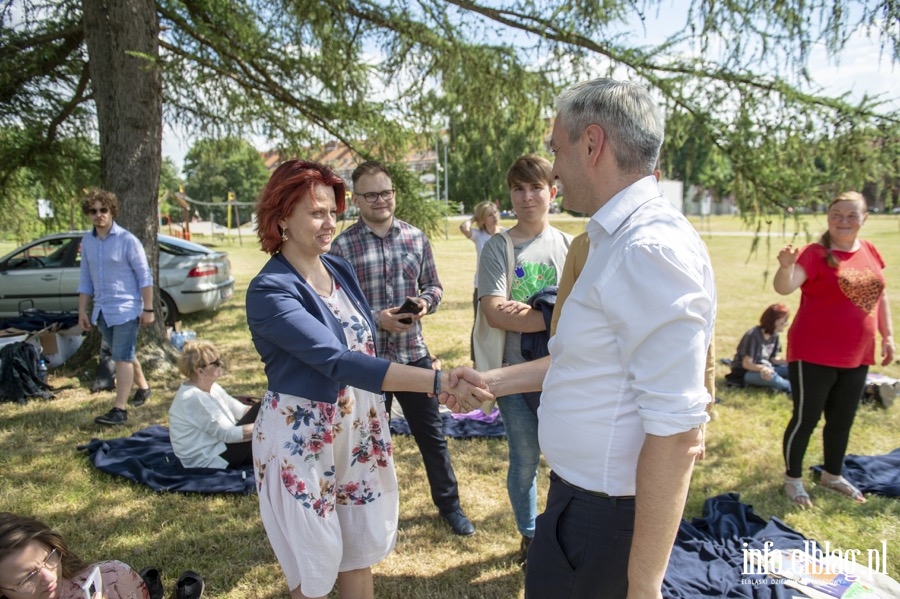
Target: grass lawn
[[222, 538]]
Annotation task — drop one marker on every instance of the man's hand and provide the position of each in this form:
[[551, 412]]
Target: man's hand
[[84, 322], [467, 390], [147, 318], [512, 306], [389, 320]]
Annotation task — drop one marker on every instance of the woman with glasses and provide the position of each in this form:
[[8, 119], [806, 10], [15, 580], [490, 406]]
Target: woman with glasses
[[208, 427], [322, 450], [831, 343], [35, 563]]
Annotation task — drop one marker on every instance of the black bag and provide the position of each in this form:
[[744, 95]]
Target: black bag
[[20, 374], [105, 377]]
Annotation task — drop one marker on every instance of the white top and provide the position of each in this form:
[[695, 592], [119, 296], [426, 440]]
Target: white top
[[480, 238], [201, 423], [629, 354]]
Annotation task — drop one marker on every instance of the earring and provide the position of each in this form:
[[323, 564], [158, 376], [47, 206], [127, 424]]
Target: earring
[[283, 235]]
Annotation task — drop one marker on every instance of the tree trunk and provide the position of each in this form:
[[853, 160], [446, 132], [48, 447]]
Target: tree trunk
[[122, 39]]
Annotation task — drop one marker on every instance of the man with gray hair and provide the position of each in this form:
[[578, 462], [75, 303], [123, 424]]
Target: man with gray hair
[[623, 404]]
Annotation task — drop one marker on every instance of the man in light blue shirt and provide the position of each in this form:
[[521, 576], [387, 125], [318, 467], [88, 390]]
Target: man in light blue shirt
[[115, 273]]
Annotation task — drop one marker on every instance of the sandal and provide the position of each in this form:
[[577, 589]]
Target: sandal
[[842, 486], [796, 492]]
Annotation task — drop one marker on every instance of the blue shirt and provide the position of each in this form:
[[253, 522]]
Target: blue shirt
[[113, 272]]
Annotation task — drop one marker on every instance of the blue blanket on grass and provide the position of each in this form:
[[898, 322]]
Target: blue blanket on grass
[[878, 474], [708, 557], [147, 457]]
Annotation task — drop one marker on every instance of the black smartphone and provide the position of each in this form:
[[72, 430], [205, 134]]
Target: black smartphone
[[408, 307]]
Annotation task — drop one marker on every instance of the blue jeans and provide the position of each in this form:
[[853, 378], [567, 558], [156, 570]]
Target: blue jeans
[[524, 455], [779, 380], [121, 338]]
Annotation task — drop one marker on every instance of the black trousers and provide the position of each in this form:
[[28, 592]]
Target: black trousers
[[427, 428], [241, 453], [581, 545], [822, 390]]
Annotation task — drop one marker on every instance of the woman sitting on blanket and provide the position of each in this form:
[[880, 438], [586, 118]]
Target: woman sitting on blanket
[[208, 427], [36, 563], [756, 362]]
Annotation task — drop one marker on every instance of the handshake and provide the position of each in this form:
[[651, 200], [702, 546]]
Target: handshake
[[464, 389]]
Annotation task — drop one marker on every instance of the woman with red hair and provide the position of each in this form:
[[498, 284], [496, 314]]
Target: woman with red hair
[[756, 362], [322, 449]]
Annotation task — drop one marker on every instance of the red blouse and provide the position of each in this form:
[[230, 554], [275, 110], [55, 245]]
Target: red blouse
[[838, 315]]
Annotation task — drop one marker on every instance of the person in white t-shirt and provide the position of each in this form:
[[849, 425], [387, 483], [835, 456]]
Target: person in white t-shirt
[[208, 427], [483, 225], [623, 405]]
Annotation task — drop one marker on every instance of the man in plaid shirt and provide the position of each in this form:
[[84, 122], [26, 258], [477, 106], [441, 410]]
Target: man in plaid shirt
[[393, 261]]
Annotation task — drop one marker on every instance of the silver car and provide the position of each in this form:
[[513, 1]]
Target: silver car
[[44, 274]]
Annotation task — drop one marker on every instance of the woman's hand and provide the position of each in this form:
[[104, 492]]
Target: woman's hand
[[767, 374], [787, 257], [888, 349]]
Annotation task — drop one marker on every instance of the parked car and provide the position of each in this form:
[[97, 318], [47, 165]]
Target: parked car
[[44, 274]]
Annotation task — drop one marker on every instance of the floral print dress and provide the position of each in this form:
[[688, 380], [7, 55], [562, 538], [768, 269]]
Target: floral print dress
[[325, 474]]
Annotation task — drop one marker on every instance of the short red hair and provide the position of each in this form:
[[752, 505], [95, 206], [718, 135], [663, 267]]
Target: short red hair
[[772, 313], [288, 185]]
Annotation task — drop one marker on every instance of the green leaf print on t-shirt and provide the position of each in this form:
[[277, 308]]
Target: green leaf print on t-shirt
[[531, 277]]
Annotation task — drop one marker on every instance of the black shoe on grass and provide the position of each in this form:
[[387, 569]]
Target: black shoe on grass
[[141, 396], [113, 417]]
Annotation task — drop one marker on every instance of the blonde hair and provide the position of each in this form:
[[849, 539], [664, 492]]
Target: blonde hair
[[481, 211], [825, 240], [196, 354]]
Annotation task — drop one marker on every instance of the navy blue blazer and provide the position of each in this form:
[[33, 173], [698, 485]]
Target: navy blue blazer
[[300, 341]]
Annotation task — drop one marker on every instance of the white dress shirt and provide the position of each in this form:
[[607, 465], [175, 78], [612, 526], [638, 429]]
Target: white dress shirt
[[201, 423], [629, 353]]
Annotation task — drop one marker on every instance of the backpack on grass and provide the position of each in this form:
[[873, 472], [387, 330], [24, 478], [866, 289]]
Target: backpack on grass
[[20, 373]]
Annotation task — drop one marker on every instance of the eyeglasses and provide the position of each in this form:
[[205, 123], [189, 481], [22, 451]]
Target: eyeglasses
[[217, 363], [29, 583], [95, 211], [387, 195]]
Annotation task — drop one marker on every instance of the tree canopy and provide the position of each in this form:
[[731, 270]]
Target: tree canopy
[[215, 168], [383, 76]]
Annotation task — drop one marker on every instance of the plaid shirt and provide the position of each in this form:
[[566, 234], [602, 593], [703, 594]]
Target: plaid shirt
[[389, 270]]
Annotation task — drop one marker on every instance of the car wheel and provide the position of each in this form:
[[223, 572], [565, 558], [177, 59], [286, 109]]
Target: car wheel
[[168, 309]]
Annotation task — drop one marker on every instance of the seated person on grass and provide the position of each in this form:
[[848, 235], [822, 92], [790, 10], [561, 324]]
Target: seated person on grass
[[756, 362], [208, 427], [36, 563]]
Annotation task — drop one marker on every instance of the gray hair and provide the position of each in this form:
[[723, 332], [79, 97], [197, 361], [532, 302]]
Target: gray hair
[[628, 115]]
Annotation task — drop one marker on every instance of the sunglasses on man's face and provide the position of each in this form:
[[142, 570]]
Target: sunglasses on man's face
[[96, 211]]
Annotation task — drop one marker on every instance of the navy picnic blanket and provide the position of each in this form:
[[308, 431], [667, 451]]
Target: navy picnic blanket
[[878, 474], [147, 457], [708, 557], [461, 426]]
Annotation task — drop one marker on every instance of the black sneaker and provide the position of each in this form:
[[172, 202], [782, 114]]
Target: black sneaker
[[153, 582], [523, 550], [141, 396], [114, 416], [189, 586], [460, 524]]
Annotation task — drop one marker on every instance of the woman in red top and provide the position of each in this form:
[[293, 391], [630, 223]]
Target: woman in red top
[[832, 340]]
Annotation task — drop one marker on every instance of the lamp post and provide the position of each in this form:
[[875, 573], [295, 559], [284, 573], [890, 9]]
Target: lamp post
[[437, 168], [446, 139]]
